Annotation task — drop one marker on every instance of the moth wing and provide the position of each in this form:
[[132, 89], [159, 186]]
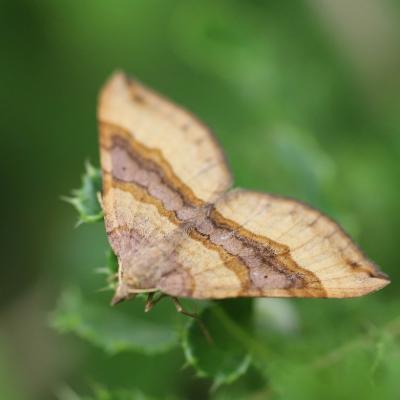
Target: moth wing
[[305, 244], [178, 139], [156, 159]]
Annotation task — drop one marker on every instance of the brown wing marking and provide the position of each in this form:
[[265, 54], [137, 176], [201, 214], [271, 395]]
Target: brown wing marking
[[304, 242], [113, 136], [277, 256], [130, 167]]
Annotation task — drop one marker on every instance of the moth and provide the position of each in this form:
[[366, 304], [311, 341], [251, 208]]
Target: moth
[[179, 229]]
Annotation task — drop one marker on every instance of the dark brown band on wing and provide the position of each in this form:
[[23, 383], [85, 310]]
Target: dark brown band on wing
[[275, 254], [150, 158], [258, 262]]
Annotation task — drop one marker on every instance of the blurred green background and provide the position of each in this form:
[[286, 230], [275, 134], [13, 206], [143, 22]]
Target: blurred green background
[[303, 95]]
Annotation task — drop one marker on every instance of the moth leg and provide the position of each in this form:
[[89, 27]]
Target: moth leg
[[181, 310], [151, 302]]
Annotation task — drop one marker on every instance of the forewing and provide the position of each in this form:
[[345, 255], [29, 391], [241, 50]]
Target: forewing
[[159, 165], [181, 146], [262, 245]]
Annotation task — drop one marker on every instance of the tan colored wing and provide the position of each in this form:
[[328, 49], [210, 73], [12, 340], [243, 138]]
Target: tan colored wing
[[181, 146], [262, 245], [159, 166]]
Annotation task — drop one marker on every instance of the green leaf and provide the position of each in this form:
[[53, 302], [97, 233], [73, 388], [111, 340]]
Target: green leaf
[[84, 199], [226, 357], [10, 384], [102, 393], [111, 329]]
